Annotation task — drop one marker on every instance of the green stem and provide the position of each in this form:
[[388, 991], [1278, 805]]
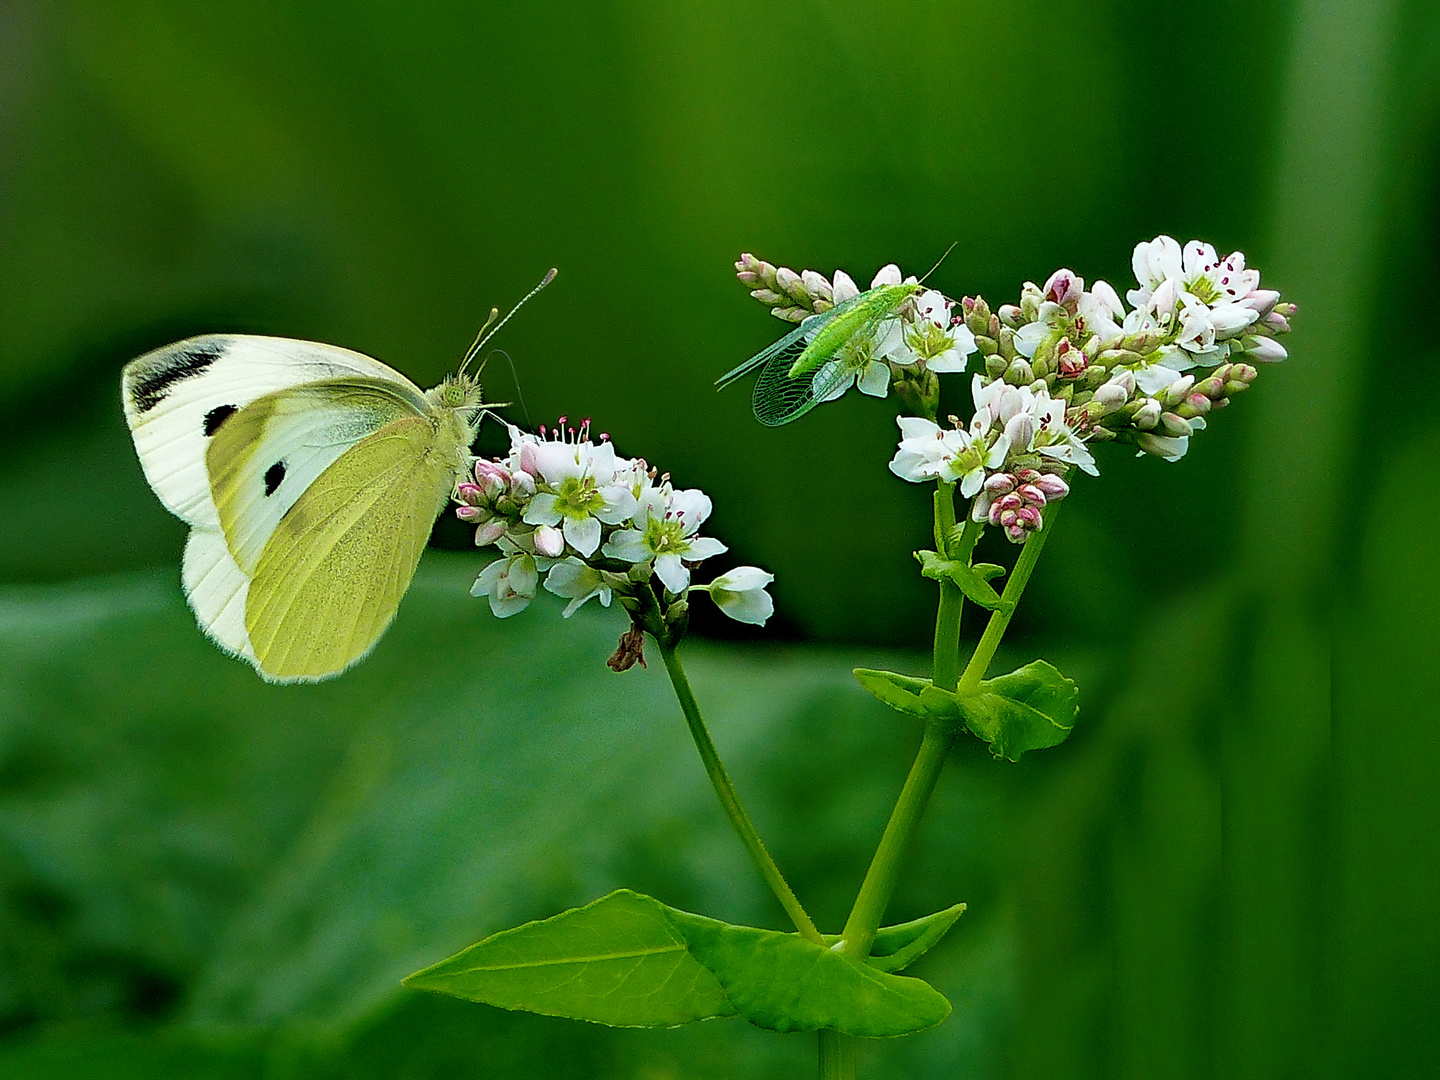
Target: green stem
[[730, 800], [837, 1056], [1010, 598], [904, 822]]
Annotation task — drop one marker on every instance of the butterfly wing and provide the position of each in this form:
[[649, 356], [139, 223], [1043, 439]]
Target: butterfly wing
[[315, 402], [331, 575], [177, 398]]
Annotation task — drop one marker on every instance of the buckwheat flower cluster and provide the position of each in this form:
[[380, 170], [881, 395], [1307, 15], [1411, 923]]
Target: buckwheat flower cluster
[[1136, 375], [1069, 366], [1010, 458], [568, 512]]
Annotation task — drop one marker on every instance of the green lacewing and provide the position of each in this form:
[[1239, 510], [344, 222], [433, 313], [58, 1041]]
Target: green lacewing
[[802, 368]]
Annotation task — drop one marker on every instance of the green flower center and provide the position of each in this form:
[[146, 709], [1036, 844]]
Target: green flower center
[[577, 497], [665, 536], [1202, 289]]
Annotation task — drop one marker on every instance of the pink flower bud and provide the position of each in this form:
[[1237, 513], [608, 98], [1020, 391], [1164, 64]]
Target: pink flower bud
[[1016, 533], [522, 486], [1009, 502], [1010, 315], [471, 513], [468, 493], [1262, 301], [1031, 494], [816, 285], [1021, 431], [1027, 476], [1028, 515], [1176, 426], [1111, 396], [1000, 484], [1266, 350], [1054, 488], [1064, 288], [489, 533], [790, 282], [528, 462], [1276, 323], [549, 541], [1148, 415]]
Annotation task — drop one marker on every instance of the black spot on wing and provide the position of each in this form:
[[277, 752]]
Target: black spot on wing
[[217, 416], [273, 475], [152, 384]]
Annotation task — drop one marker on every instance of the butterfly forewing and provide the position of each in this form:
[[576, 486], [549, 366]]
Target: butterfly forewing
[[177, 398], [332, 574]]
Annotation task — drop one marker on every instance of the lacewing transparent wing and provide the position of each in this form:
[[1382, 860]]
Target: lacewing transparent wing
[[796, 372]]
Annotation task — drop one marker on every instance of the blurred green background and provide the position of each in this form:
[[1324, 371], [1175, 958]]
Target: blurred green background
[[1232, 869]]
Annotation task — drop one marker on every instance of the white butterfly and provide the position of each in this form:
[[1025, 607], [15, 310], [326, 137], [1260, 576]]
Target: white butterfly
[[310, 477]]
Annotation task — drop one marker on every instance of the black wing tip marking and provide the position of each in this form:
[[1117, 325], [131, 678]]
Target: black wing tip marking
[[173, 365]]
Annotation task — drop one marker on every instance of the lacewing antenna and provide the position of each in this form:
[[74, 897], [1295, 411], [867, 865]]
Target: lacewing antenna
[[941, 259]]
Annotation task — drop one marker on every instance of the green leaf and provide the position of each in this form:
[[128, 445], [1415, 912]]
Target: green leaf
[[972, 581], [900, 692], [618, 961], [1031, 708], [785, 983], [897, 947], [628, 960]]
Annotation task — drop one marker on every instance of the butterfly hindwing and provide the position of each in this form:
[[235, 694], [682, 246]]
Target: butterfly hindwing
[[216, 588], [332, 574]]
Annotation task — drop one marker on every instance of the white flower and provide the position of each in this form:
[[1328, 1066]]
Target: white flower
[[933, 338], [1032, 420], [930, 452], [664, 530], [581, 491], [740, 593], [1171, 448], [1102, 313], [1154, 262], [509, 582], [577, 581], [1203, 297]]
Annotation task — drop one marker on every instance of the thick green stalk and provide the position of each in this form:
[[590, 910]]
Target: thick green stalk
[[730, 800], [884, 870]]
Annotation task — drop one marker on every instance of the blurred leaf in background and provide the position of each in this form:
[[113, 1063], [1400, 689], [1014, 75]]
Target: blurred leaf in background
[[1230, 869]]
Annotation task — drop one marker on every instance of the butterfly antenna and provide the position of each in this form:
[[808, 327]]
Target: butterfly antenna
[[475, 345], [941, 259], [486, 332]]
